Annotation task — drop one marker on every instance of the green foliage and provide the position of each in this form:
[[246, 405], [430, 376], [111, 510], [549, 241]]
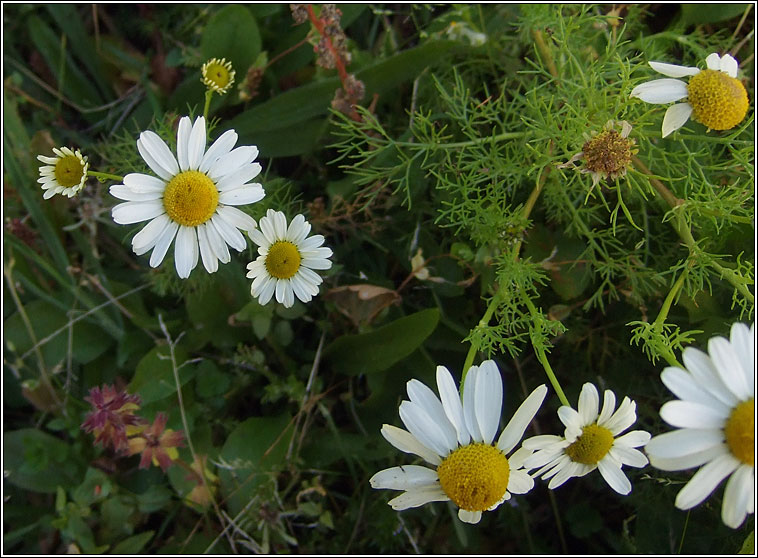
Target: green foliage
[[461, 155]]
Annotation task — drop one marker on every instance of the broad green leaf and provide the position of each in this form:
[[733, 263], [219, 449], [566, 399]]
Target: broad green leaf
[[379, 349], [36, 461], [232, 33], [255, 450], [87, 339], [133, 545], [154, 377], [693, 14], [314, 99], [748, 547]]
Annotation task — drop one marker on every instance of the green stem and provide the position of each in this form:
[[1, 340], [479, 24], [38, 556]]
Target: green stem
[[541, 355], [208, 96], [103, 176], [457, 144], [733, 278], [659, 321], [482, 323]]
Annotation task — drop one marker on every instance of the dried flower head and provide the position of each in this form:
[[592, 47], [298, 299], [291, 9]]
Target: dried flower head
[[113, 411], [156, 444], [606, 154]]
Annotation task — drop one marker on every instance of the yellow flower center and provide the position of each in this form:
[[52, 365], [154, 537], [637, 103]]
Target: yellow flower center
[[283, 259], [591, 446], [190, 198], [718, 100], [475, 477], [608, 153], [218, 75], [69, 171], [740, 432]]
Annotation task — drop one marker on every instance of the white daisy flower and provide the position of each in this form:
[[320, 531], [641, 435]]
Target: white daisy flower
[[590, 442], [715, 424], [218, 75], [456, 437], [715, 97], [287, 260], [63, 174], [192, 199]]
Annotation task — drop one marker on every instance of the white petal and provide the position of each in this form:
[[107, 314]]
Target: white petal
[[404, 477], [311, 243], [676, 116], [162, 246], [687, 461], [729, 367], [424, 397], [426, 431], [705, 481], [405, 442], [743, 345], [280, 224], [684, 414], [219, 247], [623, 418], [469, 407], [489, 400], [520, 482], [472, 517], [571, 419], [196, 143], [729, 65], [633, 439], [538, 442], [563, 474], [588, 404], [713, 61], [451, 402], [210, 262], [267, 290], [149, 235], [284, 293], [267, 228], [418, 497], [229, 233], [144, 183], [517, 459], [614, 476], [301, 288], [660, 91], [182, 142], [257, 237], [683, 385], [157, 155], [123, 192], [680, 443], [673, 70], [316, 263], [738, 496], [134, 212], [236, 217], [628, 456], [702, 369], [237, 159], [609, 405], [298, 229], [516, 427], [218, 149], [250, 193], [186, 251]]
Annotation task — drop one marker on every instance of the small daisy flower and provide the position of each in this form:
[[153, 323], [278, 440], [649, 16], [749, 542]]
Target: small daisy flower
[[287, 260], [192, 199], [63, 174], [715, 97], [218, 75], [715, 424], [590, 442], [456, 438], [606, 154]]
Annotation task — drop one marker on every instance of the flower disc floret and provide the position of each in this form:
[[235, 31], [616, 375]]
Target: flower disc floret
[[608, 153], [739, 432], [283, 259], [475, 477], [190, 198], [593, 444], [218, 75], [718, 101]]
